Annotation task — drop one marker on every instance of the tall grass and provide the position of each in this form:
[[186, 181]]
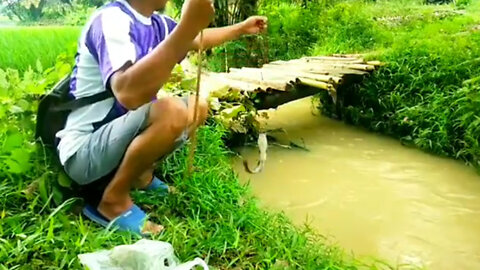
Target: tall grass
[[424, 94], [212, 216], [21, 47], [421, 96]]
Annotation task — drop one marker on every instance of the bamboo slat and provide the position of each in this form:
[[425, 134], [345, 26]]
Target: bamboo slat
[[303, 73], [322, 72], [316, 84]]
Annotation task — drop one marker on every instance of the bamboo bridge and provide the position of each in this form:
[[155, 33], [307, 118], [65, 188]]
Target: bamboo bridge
[[280, 82]]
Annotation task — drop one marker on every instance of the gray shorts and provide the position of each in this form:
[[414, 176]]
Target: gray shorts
[[104, 150]]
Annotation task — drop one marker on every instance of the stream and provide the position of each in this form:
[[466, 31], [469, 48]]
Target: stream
[[368, 193]]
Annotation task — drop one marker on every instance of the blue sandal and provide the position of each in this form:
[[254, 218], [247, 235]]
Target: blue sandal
[[131, 220], [159, 185]]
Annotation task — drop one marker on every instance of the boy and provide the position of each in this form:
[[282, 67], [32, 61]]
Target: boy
[[130, 50]]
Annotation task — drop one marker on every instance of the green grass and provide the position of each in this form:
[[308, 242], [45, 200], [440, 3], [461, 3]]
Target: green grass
[[422, 96], [212, 216], [23, 46], [418, 97]]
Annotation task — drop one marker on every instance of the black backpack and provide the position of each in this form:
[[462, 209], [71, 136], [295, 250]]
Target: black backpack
[[54, 108]]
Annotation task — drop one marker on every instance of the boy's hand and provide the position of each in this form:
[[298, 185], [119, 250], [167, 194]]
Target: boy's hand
[[254, 25], [197, 14]]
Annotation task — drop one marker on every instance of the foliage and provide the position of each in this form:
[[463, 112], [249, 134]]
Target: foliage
[[234, 110], [211, 215], [438, 1], [344, 28], [23, 46], [75, 13], [18, 98], [50, 11], [426, 94], [24, 10], [78, 15], [291, 33], [227, 12]]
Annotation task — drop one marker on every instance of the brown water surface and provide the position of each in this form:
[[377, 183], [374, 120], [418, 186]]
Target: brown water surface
[[371, 195]]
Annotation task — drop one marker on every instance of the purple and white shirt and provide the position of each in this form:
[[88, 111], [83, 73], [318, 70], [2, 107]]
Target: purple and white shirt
[[115, 34]]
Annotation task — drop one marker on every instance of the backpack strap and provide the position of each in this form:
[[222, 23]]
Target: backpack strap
[[81, 102]]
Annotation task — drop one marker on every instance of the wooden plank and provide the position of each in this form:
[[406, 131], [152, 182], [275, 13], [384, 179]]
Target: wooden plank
[[374, 63], [334, 59], [263, 74], [218, 81], [325, 70], [326, 66], [316, 84], [301, 73], [329, 62], [361, 67], [263, 84], [347, 55]]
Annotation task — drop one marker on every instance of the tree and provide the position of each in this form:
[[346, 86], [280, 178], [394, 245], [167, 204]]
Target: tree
[[24, 10], [228, 12]]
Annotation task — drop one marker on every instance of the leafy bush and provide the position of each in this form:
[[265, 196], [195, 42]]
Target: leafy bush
[[425, 95], [292, 32], [345, 28], [211, 215]]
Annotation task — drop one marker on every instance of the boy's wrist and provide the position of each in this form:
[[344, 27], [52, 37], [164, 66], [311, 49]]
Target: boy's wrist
[[239, 29]]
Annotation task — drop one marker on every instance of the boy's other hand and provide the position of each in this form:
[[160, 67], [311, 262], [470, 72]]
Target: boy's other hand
[[198, 14], [254, 25]]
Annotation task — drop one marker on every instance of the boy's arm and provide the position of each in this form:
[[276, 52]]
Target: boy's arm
[[135, 85], [216, 36]]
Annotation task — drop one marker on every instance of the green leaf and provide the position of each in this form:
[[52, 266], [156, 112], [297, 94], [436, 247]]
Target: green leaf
[[39, 66], [232, 112], [43, 188], [22, 158], [4, 84], [13, 141], [50, 229], [25, 105], [57, 195], [13, 166], [63, 180], [16, 109], [189, 84]]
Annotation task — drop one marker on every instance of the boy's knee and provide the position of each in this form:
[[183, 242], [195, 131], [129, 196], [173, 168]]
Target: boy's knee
[[171, 113]]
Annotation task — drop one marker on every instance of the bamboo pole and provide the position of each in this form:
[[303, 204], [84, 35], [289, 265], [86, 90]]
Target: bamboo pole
[[193, 145], [297, 72], [374, 63], [316, 84]]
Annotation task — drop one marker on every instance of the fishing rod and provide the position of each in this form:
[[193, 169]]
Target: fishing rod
[[193, 145]]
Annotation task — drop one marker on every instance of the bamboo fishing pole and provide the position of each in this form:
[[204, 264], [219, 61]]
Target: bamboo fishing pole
[[193, 144]]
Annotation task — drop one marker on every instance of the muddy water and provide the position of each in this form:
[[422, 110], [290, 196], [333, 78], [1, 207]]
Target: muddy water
[[371, 195]]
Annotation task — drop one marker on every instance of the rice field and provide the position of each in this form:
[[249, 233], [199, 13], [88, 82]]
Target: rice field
[[22, 46]]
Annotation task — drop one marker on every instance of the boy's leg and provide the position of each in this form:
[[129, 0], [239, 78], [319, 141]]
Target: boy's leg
[[152, 130], [202, 113], [147, 176], [168, 119]]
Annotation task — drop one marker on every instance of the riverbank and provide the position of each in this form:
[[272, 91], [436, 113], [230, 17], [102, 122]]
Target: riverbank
[[427, 94], [407, 206], [213, 216]]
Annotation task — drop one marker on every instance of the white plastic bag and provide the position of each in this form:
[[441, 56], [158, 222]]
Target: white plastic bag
[[143, 255]]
